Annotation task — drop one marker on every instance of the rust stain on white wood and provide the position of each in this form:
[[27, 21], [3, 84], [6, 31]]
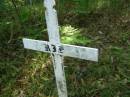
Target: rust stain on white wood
[[80, 52]]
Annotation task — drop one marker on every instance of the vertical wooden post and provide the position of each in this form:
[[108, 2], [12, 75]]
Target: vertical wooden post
[[30, 2], [54, 37]]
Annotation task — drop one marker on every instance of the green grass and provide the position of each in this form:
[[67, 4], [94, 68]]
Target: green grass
[[30, 73]]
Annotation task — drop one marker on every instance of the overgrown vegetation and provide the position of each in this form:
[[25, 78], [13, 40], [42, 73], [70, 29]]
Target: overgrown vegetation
[[104, 24]]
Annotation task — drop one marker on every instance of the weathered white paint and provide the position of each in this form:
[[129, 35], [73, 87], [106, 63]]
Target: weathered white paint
[[58, 50], [30, 2], [54, 37], [62, 49]]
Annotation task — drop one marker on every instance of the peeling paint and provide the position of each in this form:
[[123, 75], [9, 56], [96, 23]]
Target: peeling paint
[[86, 53], [54, 38]]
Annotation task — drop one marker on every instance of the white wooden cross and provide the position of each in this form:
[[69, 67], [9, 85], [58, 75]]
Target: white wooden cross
[[57, 49]]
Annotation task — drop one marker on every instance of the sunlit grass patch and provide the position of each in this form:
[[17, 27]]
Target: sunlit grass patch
[[72, 35]]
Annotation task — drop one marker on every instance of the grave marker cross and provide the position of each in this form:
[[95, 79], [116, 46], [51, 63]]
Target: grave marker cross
[[58, 50]]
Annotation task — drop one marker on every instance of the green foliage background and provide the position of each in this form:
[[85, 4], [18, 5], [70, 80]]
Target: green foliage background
[[104, 24]]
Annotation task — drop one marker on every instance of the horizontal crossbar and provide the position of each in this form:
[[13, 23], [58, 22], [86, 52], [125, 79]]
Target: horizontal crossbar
[[86, 53]]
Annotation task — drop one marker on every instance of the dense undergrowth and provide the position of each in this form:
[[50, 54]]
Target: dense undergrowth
[[26, 73]]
